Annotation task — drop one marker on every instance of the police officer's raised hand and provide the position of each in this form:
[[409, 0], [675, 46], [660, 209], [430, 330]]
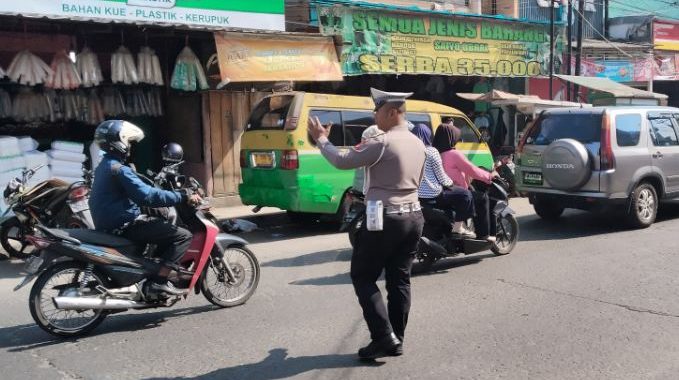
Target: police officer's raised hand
[[316, 129]]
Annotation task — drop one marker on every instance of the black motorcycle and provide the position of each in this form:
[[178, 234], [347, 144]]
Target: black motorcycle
[[52, 203], [433, 245]]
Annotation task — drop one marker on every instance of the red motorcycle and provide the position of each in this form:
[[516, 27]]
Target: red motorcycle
[[84, 275]]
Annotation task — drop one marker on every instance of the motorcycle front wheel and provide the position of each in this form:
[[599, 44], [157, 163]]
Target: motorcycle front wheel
[[12, 233], [64, 279], [507, 235], [222, 290]]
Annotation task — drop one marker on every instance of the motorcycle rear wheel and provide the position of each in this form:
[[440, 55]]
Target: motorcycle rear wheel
[[55, 281], [507, 235], [12, 239], [245, 267]]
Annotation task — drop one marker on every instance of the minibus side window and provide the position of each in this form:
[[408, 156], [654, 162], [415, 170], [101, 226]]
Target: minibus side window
[[355, 122], [419, 118], [330, 118], [468, 132]]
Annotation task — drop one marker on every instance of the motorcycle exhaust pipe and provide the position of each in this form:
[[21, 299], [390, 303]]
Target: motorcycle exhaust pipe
[[84, 303]]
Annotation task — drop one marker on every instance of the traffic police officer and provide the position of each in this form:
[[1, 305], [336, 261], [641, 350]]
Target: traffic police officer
[[394, 162]]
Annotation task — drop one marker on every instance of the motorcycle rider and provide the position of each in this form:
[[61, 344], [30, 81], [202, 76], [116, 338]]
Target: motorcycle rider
[[116, 197]]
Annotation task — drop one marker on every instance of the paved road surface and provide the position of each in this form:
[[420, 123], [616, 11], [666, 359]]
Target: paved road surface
[[578, 299]]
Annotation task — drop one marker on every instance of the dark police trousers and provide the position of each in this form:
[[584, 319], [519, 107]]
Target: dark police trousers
[[391, 250], [171, 241]]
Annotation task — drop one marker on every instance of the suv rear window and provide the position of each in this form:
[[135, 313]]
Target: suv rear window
[[270, 113], [585, 128]]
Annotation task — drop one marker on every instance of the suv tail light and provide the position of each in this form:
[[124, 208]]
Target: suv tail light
[[290, 160], [243, 159], [78, 193], [606, 154]]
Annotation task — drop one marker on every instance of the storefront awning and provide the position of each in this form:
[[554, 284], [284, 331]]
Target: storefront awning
[[524, 103], [490, 96], [606, 85]]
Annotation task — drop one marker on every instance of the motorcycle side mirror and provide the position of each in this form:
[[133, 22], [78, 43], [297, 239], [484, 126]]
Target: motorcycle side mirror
[[179, 181]]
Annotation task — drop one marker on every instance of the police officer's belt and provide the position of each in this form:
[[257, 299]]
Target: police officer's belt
[[403, 209]]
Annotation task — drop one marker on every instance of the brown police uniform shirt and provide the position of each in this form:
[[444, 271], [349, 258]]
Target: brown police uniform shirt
[[394, 163]]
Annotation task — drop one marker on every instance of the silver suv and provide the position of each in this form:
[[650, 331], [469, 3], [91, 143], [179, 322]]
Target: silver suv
[[601, 158]]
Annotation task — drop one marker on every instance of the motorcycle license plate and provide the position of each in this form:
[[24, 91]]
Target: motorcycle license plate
[[79, 206], [532, 178]]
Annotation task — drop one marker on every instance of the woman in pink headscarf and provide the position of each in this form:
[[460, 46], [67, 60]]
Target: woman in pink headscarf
[[462, 172]]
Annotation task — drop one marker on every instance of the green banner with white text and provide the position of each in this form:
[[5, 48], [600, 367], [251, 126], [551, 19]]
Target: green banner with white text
[[379, 42]]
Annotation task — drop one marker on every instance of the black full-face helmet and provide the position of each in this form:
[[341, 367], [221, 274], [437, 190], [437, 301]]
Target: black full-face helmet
[[172, 153], [116, 137]]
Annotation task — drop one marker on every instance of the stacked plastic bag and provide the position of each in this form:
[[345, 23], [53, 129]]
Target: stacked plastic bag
[[11, 164], [66, 160], [188, 74], [148, 67], [27, 68], [89, 69], [64, 73], [123, 69]]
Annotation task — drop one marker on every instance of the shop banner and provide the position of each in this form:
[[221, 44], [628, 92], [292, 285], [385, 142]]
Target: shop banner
[[397, 43], [663, 66], [246, 14], [256, 58], [666, 66], [615, 70], [666, 35]]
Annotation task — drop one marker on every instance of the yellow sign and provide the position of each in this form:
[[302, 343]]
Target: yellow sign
[[257, 58], [399, 43]]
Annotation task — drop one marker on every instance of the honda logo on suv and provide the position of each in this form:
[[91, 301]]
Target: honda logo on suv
[[560, 166]]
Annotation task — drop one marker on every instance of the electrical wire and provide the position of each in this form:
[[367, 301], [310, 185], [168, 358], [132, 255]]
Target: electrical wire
[[616, 47]]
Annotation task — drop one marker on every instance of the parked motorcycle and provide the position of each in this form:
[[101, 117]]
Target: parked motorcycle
[[84, 275], [53, 203], [434, 246]]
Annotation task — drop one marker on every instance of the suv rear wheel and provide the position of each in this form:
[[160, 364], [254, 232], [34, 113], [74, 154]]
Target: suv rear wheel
[[643, 206], [547, 209]]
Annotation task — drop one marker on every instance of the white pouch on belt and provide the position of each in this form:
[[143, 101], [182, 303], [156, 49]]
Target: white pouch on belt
[[374, 216]]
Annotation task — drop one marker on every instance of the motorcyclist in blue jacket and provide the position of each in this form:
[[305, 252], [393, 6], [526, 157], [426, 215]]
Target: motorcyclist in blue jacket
[[118, 192]]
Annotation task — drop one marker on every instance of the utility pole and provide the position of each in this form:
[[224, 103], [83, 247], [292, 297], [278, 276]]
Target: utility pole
[[569, 52], [578, 56], [551, 49], [606, 18]]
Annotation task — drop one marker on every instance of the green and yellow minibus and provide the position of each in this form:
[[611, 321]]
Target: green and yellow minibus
[[282, 167]]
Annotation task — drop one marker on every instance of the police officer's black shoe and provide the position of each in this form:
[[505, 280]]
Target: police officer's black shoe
[[387, 346], [166, 288]]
